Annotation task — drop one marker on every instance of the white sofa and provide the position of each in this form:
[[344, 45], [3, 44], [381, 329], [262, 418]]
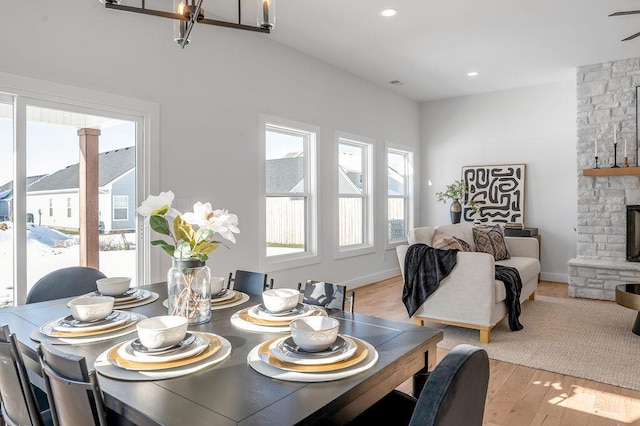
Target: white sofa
[[470, 296]]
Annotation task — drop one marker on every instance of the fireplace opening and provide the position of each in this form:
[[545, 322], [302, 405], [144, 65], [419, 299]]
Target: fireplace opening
[[633, 233]]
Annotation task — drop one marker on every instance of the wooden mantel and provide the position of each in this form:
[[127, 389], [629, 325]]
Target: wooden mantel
[[612, 171]]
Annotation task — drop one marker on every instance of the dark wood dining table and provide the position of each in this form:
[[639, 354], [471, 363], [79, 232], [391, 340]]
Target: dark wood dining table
[[233, 393]]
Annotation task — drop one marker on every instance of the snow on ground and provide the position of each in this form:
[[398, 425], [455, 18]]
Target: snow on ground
[[48, 250]]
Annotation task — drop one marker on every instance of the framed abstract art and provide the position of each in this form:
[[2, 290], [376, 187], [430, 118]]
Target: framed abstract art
[[497, 190]]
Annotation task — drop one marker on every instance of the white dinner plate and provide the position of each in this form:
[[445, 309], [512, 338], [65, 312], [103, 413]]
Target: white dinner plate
[[238, 322], [299, 312], [279, 350], [254, 360], [67, 323], [143, 298], [228, 294], [104, 367], [39, 336], [244, 298], [200, 344]]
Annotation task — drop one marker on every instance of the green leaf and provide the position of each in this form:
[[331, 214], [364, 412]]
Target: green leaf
[[183, 251], [184, 231], [159, 224], [164, 246], [203, 257], [205, 247]]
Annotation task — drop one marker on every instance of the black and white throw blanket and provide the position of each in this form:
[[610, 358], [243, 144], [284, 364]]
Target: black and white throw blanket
[[425, 267]]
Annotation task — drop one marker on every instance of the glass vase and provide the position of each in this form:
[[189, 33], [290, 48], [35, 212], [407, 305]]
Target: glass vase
[[189, 290]]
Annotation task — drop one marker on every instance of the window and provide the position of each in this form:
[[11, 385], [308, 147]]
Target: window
[[68, 207], [50, 207], [399, 194], [290, 192], [354, 193], [120, 207]]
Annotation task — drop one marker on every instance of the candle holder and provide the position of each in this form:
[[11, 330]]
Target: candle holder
[[596, 167], [615, 156], [626, 163]]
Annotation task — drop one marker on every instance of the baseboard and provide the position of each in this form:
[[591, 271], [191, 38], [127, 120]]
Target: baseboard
[[556, 278], [370, 279]]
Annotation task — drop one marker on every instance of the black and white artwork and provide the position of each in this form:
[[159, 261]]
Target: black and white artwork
[[498, 192]]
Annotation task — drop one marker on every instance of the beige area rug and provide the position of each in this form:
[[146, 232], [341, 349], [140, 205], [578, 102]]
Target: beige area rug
[[582, 338]]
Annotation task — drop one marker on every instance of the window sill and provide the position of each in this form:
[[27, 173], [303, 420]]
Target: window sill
[[355, 251], [279, 263]]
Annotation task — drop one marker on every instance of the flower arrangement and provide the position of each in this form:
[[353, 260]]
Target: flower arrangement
[[193, 233], [456, 192]]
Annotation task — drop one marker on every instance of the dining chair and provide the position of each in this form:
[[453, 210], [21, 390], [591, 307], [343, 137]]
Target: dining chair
[[74, 394], [65, 282], [249, 282], [328, 295], [18, 401], [454, 394]]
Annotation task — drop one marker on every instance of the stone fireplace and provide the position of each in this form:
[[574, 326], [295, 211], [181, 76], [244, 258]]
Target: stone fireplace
[[606, 101]]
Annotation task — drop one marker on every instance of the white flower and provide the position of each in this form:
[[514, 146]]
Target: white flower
[[200, 216], [157, 205], [225, 224]]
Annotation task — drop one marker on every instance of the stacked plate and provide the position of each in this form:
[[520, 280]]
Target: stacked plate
[[68, 330], [259, 318], [281, 358], [131, 360], [131, 298], [226, 298]]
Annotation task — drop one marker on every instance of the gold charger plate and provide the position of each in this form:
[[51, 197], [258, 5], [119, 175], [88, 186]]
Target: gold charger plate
[[360, 354], [235, 297], [244, 315], [114, 358], [48, 330]]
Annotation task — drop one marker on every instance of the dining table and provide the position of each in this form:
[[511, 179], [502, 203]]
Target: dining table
[[231, 392]]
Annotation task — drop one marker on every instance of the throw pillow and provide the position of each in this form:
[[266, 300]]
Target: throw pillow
[[444, 241], [490, 239]]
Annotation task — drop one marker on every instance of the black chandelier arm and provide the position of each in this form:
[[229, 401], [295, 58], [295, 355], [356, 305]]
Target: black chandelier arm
[[234, 25]]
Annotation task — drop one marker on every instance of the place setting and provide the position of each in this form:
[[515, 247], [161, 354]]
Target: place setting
[[313, 352], [124, 297], [278, 308], [91, 320], [163, 348]]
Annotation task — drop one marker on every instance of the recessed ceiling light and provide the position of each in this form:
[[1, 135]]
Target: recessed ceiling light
[[389, 12], [472, 74]]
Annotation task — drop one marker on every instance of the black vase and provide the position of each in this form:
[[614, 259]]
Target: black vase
[[456, 211]]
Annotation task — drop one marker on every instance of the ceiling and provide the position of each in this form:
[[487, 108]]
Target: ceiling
[[430, 46]]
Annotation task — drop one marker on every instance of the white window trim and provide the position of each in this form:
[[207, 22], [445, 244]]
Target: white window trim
[[31, 91], [311, 255], [341, 252], [113, 208], [411, 201]]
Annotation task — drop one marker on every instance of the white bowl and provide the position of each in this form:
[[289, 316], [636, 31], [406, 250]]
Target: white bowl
[[113, 286], [217, 284], [162, 331], [314, 334], [280, 299], [91, 308]]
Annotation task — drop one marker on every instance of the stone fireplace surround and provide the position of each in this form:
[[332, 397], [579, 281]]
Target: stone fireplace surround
[[606, 99]]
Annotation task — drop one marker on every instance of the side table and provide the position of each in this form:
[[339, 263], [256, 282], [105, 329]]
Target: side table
[[628, 295]]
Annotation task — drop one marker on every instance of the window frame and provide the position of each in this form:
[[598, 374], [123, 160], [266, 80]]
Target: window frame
[[113, 207], [50, 207], [409, 196], [69, 207], [368, 196], [311, 254]]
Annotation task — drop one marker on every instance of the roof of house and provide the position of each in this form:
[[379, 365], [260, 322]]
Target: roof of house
[[283, 174], [9, 185], [111, 164]]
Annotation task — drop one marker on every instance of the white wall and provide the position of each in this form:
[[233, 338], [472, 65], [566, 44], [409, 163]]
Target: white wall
[[210, 96], [535, 126]]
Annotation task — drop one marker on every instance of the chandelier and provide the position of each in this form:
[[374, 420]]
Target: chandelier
[[187, 13]]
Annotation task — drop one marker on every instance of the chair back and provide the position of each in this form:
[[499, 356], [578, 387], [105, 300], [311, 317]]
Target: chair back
[[65, 282], [249, 282], [327, 295], [74, 395], [455, 392], [19, 404]]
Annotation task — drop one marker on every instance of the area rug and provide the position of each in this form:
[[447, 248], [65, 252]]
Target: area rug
[[577, 337]]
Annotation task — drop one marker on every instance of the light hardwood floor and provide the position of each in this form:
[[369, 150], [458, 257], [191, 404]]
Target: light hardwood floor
[[517, 395]]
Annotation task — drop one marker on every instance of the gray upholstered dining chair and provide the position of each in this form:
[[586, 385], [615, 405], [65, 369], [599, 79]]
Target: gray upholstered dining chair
[[73, 391], [249, 282], [18, 400], [327, 295], [65, 282], [454, 394]]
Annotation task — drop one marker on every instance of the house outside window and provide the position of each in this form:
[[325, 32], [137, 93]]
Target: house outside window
[[355, 183], [68, 207], [120, 207], [50, 207], [290, 193], [399, 194]]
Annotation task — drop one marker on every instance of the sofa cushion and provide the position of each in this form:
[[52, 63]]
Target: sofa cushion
[[528, 267], [490, 239], [448, 242], [461, 231]]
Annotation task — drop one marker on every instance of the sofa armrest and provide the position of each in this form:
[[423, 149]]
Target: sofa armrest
[[523, 246]]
